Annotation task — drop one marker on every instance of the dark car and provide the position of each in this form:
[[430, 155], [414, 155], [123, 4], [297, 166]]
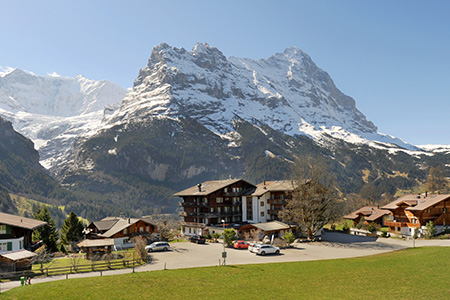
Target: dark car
[[197, 239]]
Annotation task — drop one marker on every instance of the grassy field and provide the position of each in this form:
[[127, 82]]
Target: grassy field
[[418, 273]]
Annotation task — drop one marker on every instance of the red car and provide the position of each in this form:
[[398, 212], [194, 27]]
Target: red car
[[240, 245]]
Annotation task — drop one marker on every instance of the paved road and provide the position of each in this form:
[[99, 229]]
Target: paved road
[[189, 255]]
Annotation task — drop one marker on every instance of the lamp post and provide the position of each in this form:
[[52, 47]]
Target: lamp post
[[224, 253]]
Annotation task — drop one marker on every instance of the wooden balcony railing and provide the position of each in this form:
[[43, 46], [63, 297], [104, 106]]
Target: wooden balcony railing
[[402, 224]]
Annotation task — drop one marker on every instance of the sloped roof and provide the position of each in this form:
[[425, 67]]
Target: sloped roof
[[19, 221], [97, 243], [18, 255], [273, 186], [105, 224], [269, 226], [208, 187], [417, 202], [370, 213], [120, 225]]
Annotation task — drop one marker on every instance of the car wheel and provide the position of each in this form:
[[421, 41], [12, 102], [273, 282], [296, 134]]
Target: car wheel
[[263, 253], [277, 252], [150, 250], [165, 249]]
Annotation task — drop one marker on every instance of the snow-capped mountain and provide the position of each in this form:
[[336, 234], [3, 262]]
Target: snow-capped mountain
[[53, 110], [287, 92]]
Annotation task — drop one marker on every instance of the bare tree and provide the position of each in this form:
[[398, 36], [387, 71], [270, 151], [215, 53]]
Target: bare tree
[[139, 246], [75, 260], [314, 200], [43, 257]]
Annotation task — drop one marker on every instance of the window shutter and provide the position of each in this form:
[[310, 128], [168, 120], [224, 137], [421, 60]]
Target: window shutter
[[9, 246], [8, 229]]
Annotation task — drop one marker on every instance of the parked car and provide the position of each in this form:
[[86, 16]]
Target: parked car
[[265, 249], [241, 245], [158, 246], [197, 239], [252, 245]]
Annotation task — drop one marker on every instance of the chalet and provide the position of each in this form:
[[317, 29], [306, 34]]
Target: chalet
[[266, 201], [370, 214], [211, 202], [15, 241], [412, 212], [121, 230]]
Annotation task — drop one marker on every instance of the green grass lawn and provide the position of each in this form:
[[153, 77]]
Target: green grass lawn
[[418, 273]]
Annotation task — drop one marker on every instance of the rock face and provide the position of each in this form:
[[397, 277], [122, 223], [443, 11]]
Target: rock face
[[287, 91], [53, 110]]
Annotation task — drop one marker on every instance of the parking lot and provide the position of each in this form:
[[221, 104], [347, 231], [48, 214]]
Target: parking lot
[[189, 255]]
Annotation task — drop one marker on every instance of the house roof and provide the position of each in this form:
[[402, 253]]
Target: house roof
[[269, 226], [120, 225], [19, 221], [417, 202], [18, 255], [370, 213], [273, 186], [105, 224], [96, 243], [207, 187]]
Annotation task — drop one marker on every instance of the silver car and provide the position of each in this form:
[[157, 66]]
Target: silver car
[[265, 249], [158, 246]]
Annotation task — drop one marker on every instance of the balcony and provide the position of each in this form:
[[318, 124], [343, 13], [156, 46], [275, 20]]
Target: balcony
[[277, 201], [273, 211], [402, 224], [193, 204]]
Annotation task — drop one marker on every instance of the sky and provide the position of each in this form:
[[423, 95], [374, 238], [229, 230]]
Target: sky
[[392, 57]]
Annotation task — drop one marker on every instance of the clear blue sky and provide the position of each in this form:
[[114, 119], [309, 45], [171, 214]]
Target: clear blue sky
[[392, 57]]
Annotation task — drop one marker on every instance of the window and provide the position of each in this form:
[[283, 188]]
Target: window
[[147, 229], [125, 231], [2, 229], [219, 200], [225, 190], [3, 247], [262, 203], [212, 209], [141, 229], [262, 214], [218, 209]]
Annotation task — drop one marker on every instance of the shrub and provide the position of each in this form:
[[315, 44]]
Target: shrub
[[288, 238], [346, 228], [430, 230], [372, 228]]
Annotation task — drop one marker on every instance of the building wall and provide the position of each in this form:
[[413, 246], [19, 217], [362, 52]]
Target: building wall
[[7, 245]]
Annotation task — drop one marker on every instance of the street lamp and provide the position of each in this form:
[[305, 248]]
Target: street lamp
[[224, 253]]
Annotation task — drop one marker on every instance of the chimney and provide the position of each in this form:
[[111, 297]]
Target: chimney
[[426, 194], [264, 182], [129, 221], [199, 187]]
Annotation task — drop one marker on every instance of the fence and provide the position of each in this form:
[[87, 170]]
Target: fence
[[81, 268]]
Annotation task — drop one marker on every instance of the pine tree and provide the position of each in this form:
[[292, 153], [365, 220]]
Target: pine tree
[[48, 234], [72, 229]]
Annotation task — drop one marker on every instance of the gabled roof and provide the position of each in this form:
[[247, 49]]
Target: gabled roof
[[18, 221], [104, 225], [274, 186], [416, 202], [370, 213], [121, 224], [208, 187]]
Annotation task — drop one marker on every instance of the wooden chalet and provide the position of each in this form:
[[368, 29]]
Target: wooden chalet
[[15, 241], [121, 230], [370, 214], [211, 202], [412, 212], [273, 228]]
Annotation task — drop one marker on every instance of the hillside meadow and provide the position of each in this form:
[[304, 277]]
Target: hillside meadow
[[417, 273]]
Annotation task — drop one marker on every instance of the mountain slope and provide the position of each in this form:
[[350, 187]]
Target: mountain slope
[[53, 110]]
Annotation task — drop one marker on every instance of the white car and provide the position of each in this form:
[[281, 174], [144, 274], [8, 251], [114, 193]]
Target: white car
[[252, 245], [158, 246], [265, 249]]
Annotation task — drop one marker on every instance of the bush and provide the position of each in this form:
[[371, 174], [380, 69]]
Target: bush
[[372, 228], [333, 226], [430, 231], [288, 238], [229, 236], [346, 228]]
